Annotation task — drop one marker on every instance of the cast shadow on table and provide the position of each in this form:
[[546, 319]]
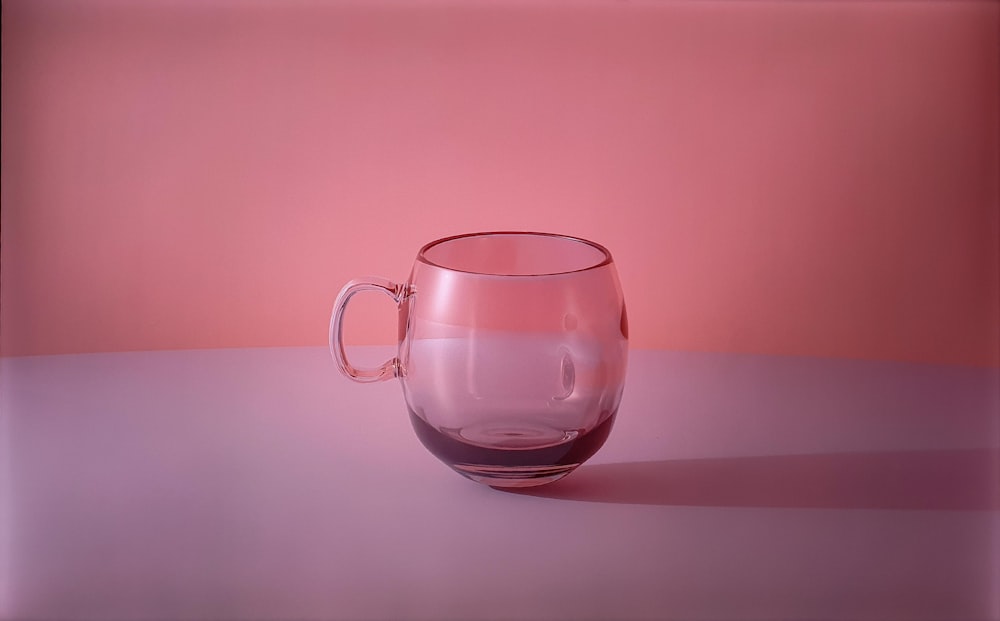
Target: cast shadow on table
[[914, 480]]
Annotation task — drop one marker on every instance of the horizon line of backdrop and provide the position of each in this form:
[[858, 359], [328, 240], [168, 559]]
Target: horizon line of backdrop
[[801, 178]]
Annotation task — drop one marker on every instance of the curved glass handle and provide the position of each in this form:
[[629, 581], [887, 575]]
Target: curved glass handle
[[390, 368]]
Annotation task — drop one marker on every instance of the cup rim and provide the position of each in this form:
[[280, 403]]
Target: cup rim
[[607, 260]]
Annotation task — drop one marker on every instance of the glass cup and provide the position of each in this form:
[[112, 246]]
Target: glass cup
[[512, 352]]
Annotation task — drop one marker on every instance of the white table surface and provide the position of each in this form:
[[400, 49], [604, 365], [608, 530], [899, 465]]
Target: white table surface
[[259, 484]]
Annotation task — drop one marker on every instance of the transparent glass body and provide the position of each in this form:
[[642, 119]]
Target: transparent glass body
[[512, 352]]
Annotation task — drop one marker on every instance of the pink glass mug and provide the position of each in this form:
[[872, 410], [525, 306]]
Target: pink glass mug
[[512, 352]]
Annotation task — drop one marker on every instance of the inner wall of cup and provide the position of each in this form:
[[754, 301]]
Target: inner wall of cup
[[515, 254]]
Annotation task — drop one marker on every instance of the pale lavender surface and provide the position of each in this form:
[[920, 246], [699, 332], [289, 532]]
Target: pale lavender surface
[[261, 484]]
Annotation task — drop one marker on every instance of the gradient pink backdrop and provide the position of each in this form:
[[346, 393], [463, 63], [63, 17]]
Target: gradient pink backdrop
[[812, 178]]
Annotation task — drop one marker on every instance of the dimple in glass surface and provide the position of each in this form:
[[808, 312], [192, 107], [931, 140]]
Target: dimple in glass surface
[[512, 352]]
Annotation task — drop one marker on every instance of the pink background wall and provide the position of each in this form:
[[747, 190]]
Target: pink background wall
[[811, 178]]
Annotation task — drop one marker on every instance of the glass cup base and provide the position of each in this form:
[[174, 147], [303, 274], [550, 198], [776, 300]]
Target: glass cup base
[[513, 476], [508, 463]]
